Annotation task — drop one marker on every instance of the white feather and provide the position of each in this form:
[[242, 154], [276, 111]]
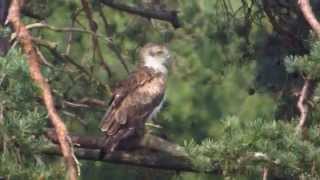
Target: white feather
[[156, 64]]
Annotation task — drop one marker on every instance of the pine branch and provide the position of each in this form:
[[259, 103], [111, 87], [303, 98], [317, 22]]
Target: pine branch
[[25, 40]]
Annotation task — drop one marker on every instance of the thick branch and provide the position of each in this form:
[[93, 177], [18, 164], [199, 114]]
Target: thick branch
[[147, 142], [25, 40], [143, 159], [153, 152], [309, 15], [165, 15]]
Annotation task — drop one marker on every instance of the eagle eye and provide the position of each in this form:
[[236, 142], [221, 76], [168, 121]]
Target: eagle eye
[[156, 52]]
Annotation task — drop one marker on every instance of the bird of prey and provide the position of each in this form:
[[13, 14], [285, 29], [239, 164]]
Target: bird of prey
[[137, 98]]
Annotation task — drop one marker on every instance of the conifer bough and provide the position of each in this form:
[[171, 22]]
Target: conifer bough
[[25, 39]]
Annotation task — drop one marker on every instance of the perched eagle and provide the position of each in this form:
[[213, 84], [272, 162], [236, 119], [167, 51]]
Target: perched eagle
[[137, 98]]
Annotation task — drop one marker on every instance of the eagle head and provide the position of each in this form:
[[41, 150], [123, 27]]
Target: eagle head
[[156, 57]]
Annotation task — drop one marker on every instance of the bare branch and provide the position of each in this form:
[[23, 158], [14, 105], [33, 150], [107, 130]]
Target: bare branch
[[309, 15], [25, 40], [56, 29], [303, 105], [111, 44], [95, 42], [92, 101], [165, 15], [52, 47]]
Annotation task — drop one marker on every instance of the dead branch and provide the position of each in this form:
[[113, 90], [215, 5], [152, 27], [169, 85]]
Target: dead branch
[[25, 40], [309, 15], [165, 15]]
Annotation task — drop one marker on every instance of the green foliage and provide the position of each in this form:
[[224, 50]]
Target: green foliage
[[308, 65], [220, 57], [248, 146], [22, 123]]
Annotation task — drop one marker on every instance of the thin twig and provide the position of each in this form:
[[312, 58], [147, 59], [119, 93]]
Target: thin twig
[[70, 34], [52, 47], [93, 27], [56, 29], [111, 44], [93, 101], [25, 40]]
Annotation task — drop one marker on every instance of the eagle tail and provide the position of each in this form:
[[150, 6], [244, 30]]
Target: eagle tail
[[112, 142]]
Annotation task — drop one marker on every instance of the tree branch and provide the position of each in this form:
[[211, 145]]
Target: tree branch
[[149, 141], [143, 159], [95, 42], [302, 105], [151, 151], [56, 29], [309, 15], [52, 47], [165, 15], [25, 40]]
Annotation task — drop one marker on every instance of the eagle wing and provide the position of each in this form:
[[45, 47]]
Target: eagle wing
[[132, 103]]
